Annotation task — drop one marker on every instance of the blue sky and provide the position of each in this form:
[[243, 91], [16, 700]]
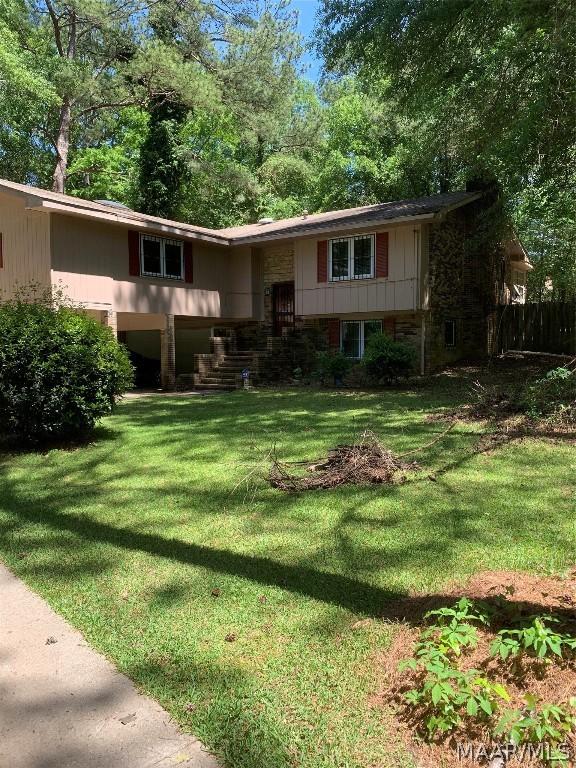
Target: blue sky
[[306, 17]]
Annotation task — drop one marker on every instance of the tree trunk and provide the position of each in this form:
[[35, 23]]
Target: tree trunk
[[63, 135], [62, 147]]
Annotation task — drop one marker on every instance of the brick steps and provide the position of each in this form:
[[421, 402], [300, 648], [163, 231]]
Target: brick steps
[[222, 370]]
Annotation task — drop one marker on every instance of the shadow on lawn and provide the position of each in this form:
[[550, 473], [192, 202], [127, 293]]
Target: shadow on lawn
[[348, 592], [213, 704]]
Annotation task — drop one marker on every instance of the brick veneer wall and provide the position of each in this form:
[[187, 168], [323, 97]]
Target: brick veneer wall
[[462, 282]]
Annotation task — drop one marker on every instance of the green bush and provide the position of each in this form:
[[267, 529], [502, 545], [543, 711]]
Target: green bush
[[387, 360], [60, 370], [331, 367], [554, 394], [292, 358]]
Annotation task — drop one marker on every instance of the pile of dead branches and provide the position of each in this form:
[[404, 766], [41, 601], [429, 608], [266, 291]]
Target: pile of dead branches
[[364, 462]]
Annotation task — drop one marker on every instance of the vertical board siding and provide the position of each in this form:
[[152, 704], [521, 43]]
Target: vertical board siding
[[322, 261], [399, 291], [25, 246]]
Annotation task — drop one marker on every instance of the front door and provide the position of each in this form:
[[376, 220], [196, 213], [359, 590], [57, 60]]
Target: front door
[[282, 306]]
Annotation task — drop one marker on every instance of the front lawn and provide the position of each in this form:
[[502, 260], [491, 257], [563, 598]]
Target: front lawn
[[253, 616]]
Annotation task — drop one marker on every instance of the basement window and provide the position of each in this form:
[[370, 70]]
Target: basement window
[[450, 333], [161, 257], [351, 258], [355, 334]]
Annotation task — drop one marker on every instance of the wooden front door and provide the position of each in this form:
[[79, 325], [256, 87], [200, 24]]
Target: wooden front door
[[282, 306]]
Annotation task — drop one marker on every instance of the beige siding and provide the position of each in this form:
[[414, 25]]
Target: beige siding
[[25, 246], [398, 292], [91, 260]]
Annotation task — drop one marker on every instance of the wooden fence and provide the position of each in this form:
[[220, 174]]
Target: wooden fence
[[548, 326]]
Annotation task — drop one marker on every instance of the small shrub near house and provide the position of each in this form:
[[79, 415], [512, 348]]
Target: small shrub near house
[[386, 360], [332, 367], [294, 358], [60, 370]]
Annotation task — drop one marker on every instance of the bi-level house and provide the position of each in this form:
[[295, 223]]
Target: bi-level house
[[419, 269]]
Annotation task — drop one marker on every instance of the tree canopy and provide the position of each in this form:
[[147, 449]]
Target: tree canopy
[[490, 88], [198, 110]]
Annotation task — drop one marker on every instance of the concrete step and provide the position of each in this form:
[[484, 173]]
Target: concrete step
[[226, 371], [229, 368], [229, 380], [221, 387]]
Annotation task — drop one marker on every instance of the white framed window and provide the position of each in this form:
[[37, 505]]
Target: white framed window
[[450, 333], [355, 333], [161, 257], [351, 258]]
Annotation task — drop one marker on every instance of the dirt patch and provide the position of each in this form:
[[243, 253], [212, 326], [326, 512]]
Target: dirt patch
[[364, 462], [512, 596]]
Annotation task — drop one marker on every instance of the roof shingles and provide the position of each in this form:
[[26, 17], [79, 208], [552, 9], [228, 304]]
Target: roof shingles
[[300, 225]]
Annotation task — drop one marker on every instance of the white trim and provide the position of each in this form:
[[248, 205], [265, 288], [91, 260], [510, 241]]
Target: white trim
[[163, 242], [351, 240]]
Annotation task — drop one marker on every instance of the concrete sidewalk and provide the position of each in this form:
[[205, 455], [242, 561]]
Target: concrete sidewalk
[[62, 705]]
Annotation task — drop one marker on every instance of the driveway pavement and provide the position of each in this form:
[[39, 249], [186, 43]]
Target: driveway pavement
[[62, 705]]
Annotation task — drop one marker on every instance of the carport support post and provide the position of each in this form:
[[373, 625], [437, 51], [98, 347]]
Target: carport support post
[[168, 354], [111, 320]]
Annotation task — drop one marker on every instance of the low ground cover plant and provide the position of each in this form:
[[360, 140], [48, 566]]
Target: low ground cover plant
[[60, 370], [551, 396], [447, 695]]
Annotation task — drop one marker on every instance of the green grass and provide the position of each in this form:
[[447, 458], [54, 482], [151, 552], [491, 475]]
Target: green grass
[[128, 537]]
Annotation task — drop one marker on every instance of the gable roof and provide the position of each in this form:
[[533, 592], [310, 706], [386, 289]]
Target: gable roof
[[298, 226]]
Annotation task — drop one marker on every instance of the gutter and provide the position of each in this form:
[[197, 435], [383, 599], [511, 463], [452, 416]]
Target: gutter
[[49, 206]]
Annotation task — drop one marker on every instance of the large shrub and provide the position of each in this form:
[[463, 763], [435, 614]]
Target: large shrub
[[387, 360], [60, 370]]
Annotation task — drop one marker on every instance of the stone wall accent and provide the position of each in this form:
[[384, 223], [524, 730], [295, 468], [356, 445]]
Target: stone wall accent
[[462, 283], [277, 267]]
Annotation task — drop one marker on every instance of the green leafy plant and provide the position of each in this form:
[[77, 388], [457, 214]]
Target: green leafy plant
[[387, 360], [449, 694], [537, 638], [60, 370], [464, 610], [332, 365], [537, 724], [554, 394]]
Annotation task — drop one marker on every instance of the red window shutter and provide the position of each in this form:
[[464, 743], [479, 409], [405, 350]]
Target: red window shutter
[[389, 326], [334, 333], [133, 252], [188, 263], [382, 254], [322, 261], [1, 252]]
